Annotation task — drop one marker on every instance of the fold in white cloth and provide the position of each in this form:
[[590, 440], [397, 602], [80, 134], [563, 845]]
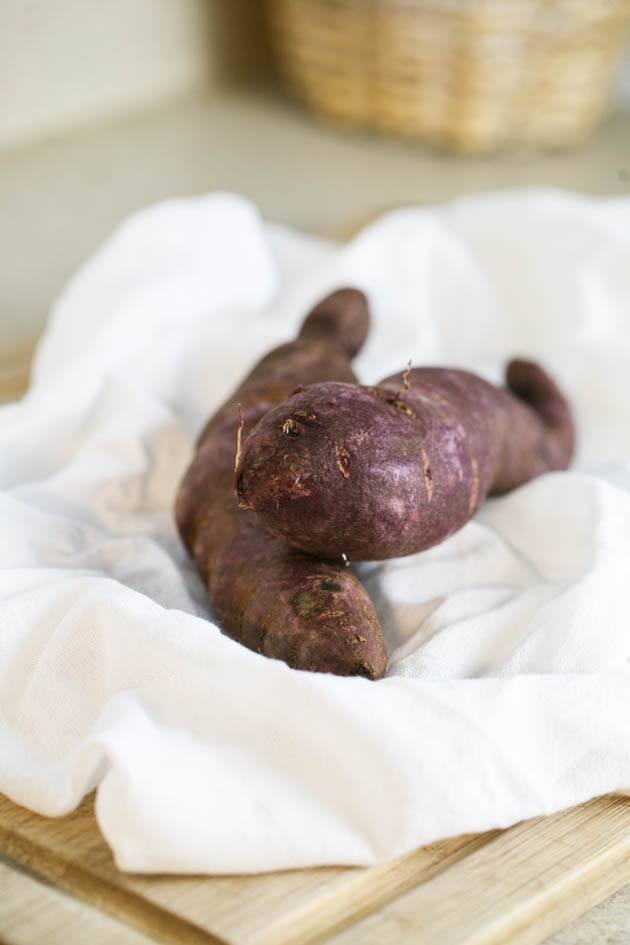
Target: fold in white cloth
[[509, 689]]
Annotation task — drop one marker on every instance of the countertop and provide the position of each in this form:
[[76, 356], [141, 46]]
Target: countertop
[[60, 199]]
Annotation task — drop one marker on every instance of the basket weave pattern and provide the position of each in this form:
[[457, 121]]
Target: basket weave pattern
[[471, 75]]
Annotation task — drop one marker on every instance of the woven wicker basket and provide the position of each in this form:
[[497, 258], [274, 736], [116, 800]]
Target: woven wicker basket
[[471, 75]]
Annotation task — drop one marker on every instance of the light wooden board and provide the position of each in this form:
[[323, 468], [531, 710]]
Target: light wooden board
[[14, 370], [270, 909], [523, 886], [34, 914], [513, 887]]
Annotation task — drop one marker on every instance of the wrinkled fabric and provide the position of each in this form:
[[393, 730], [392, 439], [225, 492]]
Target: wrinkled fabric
[[508, 689]]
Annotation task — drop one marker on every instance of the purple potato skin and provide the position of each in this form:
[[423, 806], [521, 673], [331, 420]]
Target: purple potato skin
[[382, 472], [276, 600]]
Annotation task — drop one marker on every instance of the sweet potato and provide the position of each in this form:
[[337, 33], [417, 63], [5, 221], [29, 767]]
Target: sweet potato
[[381, 472], [283, 603]]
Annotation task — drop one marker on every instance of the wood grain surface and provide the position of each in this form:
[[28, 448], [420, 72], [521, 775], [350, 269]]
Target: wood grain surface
[[15, 365], [269, 909], [516, 886], [518, 889], [32, 913]]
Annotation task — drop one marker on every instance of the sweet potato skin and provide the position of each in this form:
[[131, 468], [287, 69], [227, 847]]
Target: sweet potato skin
[[381, 472], [278, 601]]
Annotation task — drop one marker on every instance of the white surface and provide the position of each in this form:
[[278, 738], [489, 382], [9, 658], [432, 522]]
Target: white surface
[[75, 61], [509, 691]]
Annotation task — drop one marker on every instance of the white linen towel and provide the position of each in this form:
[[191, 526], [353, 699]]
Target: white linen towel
[[509, 688]]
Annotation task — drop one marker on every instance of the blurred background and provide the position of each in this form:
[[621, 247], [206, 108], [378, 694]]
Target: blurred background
[[324, 112]]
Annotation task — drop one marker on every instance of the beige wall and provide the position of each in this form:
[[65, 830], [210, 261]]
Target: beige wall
[[68, 62]]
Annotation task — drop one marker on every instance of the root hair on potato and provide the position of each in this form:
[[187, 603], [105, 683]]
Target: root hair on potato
[[265, 593]]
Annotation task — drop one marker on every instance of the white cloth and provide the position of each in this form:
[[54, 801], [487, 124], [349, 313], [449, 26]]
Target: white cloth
[[509, 688]]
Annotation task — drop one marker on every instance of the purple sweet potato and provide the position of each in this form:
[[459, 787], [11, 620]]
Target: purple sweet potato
[[279, 601], [381, 472]]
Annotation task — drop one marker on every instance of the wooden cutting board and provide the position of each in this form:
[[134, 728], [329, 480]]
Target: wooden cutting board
[[15, 364], [59, 884], [516, 886]]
